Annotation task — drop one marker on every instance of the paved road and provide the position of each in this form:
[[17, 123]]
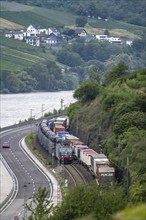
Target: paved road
[[29, 175]]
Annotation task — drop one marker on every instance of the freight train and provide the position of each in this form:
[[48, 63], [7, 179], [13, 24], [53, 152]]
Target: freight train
[[53, 135]]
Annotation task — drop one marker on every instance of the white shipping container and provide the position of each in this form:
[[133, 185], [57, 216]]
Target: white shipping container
[[85, 156], [98, 159], [77, 149]]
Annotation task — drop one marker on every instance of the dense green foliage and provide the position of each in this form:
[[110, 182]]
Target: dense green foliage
[[87, 91], [116, 122], [90, 199], [79, 202], [39, 207]]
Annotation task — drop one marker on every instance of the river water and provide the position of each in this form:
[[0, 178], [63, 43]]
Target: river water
[[18, 107]]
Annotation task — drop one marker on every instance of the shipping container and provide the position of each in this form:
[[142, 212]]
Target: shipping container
[[105, 174], [98, 159], [77, 150], [68, 139], [58, 128], [60, 135], [85, 156]]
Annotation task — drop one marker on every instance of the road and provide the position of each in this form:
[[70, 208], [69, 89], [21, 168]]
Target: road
[[29, 176]]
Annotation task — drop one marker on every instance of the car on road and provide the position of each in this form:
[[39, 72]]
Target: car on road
[[6, 145]]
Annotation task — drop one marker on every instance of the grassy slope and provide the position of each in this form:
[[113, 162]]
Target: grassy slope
[[16, 55], [10, 25]]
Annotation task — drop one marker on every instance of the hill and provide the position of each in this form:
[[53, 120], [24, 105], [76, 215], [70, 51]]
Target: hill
[[128, 11], [25, 15], [5, 24], [75, 58], [15, 55], [114, 121]]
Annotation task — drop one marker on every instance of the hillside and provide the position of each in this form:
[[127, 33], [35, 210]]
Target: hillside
[[73, 57], [25, 15], [5, 24], [15, 55], [114, 121], [128, 11]]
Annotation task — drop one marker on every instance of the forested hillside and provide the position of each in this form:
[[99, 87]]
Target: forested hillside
[[112, 118]]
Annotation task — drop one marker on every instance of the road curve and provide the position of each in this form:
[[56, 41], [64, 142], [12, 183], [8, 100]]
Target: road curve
[[30, 173]]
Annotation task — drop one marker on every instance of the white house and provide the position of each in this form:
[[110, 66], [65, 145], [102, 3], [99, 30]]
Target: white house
[[32, 30], [43, 31], [115, 40], [33, 40], [102, 37], [18, 35], [53, 31]]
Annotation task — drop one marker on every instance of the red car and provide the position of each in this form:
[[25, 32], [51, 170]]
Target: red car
[[6, 145]]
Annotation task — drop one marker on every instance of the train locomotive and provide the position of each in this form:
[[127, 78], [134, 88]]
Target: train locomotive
[[54, 137], [47, 136]]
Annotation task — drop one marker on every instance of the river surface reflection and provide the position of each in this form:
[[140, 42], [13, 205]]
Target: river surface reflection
[[18, 107]]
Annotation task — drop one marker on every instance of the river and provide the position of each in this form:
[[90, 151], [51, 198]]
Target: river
[[18, 107]]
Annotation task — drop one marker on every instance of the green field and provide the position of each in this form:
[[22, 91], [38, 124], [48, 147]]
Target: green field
[[25, 15], [110, 24], [16, 55]]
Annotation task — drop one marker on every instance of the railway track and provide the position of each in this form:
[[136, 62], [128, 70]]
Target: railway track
[[76, 176]]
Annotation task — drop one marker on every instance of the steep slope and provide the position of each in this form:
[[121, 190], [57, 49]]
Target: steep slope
[[115, 123]]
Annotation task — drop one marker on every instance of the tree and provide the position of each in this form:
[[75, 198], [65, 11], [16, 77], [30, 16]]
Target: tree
[[106, 32], [81, 21], [69, 58], [117, 72], [91, 9], [87, 91], [40, 206], [95, 74]]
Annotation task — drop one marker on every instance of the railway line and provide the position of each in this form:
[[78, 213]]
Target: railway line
[[75, 174]]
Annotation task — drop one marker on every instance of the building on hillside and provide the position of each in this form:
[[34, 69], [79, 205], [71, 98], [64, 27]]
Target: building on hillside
[[43, 31], [32, 30], [33, 40], [81, 32], [53, 31], [115, 40], [127, 41], [18, 35], [102, 37], [51, 40], [90, 37]]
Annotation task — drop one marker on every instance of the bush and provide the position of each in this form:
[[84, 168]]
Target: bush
[[130, 119], [87, 91]]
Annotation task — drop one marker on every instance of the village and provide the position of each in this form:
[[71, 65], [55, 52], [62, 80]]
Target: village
[[48, 37]]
